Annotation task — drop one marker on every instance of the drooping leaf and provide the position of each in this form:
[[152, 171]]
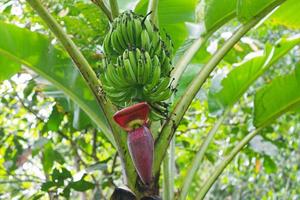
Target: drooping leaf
[[35, 51], [277, 98], [218, 12], [172, 17], [247, 9], [225, 91], [287, 15]]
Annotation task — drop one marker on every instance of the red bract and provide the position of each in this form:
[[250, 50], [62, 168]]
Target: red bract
[[132, 117], [140, 143]]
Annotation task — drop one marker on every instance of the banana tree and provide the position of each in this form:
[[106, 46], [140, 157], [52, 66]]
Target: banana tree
[[145, 83]]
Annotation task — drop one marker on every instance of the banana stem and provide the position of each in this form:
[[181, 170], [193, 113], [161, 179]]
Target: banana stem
[[114, 8], [199, 156], [166, 177], [181, 107], [172, 167], [219, 169], [169, 172], [95, 85], [104, 8], [153, 8]]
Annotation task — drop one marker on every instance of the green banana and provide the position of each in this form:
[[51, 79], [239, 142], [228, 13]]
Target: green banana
[[162, 56], [109, 89], [133, 61], [148, 68], [115, 42], [156, 115], [156, 60], [137, 63], [138, 54], [140, 71], [149, 27], [129, 70], [138, 30], [160, 106], [124, 32], [158, 48], [125, 54], [163, 85], [121, 38], [155, 42], [130, 31], [145, 40], [124, 76], [166, 67], [164, 95], [111, 76], [155, 76], [107, 47]]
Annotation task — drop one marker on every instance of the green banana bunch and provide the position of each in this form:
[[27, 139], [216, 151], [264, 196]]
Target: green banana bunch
[[137, 65], [130, 31]]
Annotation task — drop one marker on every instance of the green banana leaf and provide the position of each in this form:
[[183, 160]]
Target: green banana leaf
[[248, 9], [227, 91], [287, 15], [278, 97], [172, 17], [20, 46], [8, 68], [218, 12]]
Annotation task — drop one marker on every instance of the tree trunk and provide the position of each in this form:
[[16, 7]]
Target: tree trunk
[[148, 192]]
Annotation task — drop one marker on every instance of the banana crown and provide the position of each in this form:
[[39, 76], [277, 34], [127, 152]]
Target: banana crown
[[137, 63]]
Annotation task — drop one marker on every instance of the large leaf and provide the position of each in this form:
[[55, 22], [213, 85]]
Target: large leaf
[[225, 92], [280, 96], [35, 51], [172, 17], [288, 14], [218, 12], [247, 9], [7, 68]]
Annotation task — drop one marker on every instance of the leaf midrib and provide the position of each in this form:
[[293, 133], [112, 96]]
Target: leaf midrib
[[60, 86]]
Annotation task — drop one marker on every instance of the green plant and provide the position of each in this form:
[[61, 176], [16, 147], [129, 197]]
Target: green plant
[[121, 84]]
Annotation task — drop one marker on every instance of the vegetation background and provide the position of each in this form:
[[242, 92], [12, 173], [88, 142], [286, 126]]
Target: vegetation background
[[50, 148]]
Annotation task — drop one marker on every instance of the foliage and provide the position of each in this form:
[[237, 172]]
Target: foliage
[[57, 142]]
